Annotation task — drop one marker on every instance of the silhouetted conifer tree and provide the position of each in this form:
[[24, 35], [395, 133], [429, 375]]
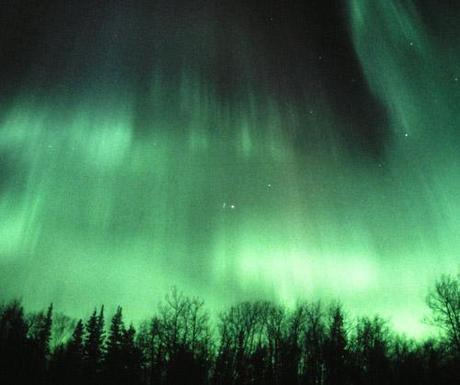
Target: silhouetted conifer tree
[[14, 345], [122, 358], [42, 344], [75, 354], [114, 355], [131, 356], [93, 346], [75, 347], [335, 349]]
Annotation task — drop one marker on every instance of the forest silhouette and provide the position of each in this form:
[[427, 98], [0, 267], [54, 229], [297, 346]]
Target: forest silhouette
[[257, 343]]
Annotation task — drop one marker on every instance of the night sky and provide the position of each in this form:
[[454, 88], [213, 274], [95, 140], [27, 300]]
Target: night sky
[[236, 149]]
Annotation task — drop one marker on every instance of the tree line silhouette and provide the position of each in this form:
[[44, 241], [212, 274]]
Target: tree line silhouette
[[252, 343]]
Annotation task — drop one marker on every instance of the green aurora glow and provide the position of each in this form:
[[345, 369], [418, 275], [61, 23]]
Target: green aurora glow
[[210, 193]]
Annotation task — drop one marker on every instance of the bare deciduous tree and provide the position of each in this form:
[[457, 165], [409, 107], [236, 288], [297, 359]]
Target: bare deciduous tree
[[444, 302]]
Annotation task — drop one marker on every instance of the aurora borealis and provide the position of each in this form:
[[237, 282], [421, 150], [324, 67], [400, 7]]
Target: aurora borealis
[[235, 149]]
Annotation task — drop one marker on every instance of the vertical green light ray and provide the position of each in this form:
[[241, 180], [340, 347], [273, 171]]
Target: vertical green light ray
[[413, 74]]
